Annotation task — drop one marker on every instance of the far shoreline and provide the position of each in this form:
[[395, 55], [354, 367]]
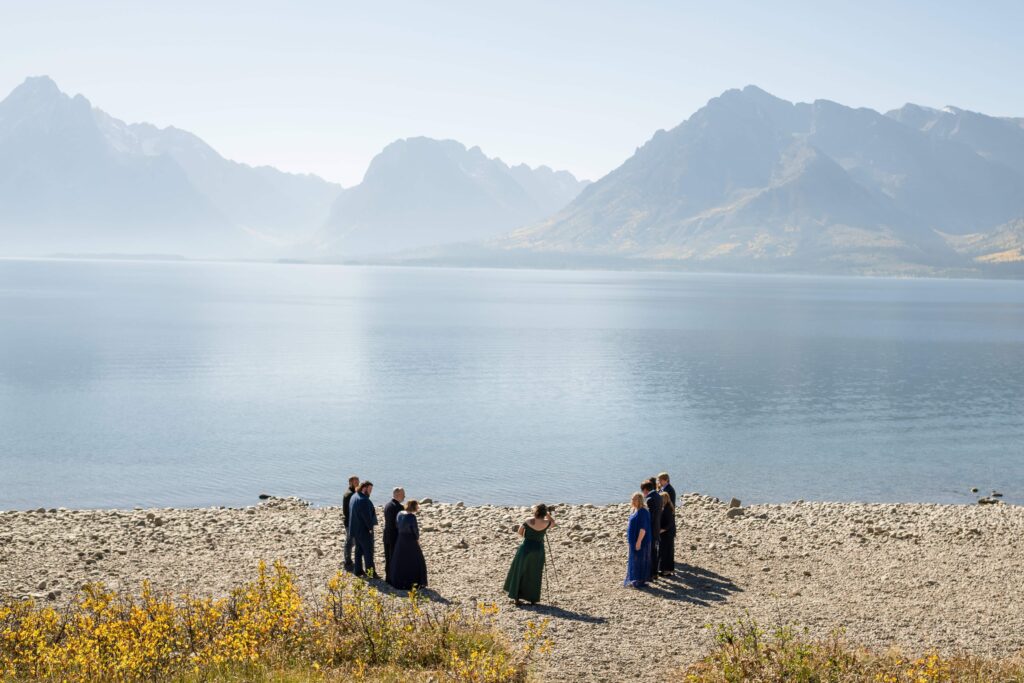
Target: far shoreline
[[581, 266], [382, 495]]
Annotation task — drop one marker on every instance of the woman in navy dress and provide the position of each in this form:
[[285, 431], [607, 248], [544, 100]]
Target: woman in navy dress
[[410, 569], [638, 536]]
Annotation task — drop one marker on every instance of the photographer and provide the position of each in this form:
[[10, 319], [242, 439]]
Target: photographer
[[527, 571]]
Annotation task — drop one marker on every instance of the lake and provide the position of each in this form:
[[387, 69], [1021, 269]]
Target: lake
[[128, 383]]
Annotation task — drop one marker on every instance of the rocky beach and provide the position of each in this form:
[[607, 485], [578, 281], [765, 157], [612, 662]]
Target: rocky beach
[[909, 575]]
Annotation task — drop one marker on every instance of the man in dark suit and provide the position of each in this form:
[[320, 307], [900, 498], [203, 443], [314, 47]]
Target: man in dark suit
[[653, 500], [391, 510], [666, 486], [362, 519], [353, 484]]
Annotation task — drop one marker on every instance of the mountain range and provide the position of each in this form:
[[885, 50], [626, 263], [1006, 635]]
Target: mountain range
[[74, 179], [421, 192], [750, 182], [755, 183]]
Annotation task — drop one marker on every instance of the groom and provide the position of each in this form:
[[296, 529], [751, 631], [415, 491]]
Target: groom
[[362, 519]]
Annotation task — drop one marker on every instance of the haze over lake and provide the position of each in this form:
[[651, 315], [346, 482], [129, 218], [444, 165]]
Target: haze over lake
[[169, 383]]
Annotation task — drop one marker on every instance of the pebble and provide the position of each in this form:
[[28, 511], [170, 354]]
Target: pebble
[[965, 562]]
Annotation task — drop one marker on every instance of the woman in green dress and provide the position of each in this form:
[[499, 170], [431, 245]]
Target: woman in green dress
[[524, 576]]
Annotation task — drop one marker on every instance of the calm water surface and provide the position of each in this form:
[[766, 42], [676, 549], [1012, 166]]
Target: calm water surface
[[146, 383]]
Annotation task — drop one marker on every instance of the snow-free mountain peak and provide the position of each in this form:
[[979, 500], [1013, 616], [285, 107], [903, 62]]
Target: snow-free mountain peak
[[75, 179], [420, 192], [754, 182]]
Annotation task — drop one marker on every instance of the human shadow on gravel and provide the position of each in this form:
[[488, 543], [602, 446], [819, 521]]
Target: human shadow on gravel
[[693, 584], [560, 613]]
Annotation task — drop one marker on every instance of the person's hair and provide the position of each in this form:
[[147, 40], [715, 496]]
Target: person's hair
[[412, 506], [637, 500], [540, 511], [663, 475], [353, 477], [646, 485], [397, 489], [666, 500], [365, 484]]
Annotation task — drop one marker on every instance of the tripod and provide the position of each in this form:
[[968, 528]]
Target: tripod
[[551, 555]]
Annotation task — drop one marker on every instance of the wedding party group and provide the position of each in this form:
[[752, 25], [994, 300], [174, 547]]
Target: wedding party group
[[650, 537], [404, 565]]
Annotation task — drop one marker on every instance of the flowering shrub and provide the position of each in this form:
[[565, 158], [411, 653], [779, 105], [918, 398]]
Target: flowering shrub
[[266, 626], [744, 652]]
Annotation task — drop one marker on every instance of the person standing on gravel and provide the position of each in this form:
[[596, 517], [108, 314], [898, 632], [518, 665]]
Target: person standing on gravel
[[666, 486], [409, 569], [667, 544], [667, 541], [653, 499], [391, 510], [362, 519], [346, 501], [526, 573], [638, 539]]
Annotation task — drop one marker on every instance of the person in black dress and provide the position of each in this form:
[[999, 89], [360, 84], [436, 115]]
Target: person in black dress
[[653, 500], [667, 545], [668, 564], [391, 510], [409, 568], [346, 501]]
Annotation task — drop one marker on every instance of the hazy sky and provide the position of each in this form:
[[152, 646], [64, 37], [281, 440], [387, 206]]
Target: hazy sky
[[323, 86]]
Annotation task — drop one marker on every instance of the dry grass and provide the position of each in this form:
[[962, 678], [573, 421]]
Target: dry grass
[[264, 630], [744, 652]]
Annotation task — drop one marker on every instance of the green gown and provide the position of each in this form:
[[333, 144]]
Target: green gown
[[524, 576]]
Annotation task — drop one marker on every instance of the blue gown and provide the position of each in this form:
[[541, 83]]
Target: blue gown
[[638, 567]]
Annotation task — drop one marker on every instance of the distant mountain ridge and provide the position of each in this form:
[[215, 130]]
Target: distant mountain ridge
[[75, 179], [420, 192], [750, 182], [754, 182]]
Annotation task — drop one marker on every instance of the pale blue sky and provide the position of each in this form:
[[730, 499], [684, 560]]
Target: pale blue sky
[[323, 86]]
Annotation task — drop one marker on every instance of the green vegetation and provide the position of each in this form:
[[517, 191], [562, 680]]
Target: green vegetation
[[744, 652], [264, 631]]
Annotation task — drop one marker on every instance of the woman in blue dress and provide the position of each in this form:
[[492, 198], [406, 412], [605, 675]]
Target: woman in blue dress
[[638, 536]]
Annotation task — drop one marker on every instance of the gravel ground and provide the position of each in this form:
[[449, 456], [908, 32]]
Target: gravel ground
[[946, 576]]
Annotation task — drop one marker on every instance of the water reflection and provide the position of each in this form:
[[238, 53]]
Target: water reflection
[[198, 384]]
